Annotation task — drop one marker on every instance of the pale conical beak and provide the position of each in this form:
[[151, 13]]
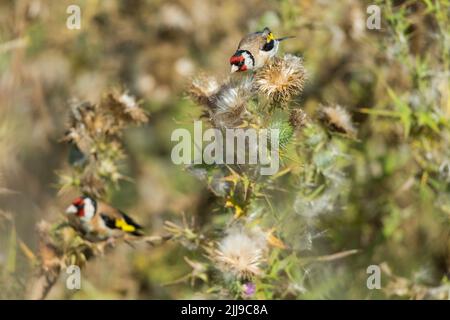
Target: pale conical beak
[[234, 68], [71, 210]]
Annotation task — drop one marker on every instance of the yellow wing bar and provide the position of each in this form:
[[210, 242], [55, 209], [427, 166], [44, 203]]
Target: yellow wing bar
[[121, 223]]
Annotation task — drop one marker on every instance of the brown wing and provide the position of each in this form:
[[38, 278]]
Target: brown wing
[[108, 210], [252, 42]]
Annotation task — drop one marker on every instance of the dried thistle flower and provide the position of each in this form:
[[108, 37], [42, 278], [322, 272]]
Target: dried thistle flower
[[281, 79], [298, 118], [126, 107], [80, 126], [241, 253], [202, 88], [228, 105], [225, 104], [94, 136], [337, 119]]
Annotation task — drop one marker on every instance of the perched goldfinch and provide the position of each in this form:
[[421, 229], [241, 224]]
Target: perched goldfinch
[[97, 221], [254, 50]]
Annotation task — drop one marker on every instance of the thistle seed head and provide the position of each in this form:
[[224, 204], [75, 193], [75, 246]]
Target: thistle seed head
[[281, 79]]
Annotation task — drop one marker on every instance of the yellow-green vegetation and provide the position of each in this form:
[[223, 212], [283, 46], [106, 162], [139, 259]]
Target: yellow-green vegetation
[[364, 120]]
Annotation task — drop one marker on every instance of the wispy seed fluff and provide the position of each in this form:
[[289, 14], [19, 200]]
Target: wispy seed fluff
[[337, 119], [241, 253], [225, 104], [229, 103], [281, 79]]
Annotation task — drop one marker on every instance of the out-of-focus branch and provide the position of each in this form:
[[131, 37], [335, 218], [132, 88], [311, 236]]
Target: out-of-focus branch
[[94, 137], [50, 264], [54, 259]]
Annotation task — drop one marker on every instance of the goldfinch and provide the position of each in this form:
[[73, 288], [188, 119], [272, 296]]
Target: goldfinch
[[97, 221], [254, 50]]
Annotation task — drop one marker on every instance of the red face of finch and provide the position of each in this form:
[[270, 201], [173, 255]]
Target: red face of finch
[[242, 60]]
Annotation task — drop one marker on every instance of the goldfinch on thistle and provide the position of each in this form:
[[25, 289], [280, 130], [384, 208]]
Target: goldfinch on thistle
[[254, 50], [98, 221]]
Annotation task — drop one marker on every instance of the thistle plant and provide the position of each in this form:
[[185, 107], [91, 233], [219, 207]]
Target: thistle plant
[[358, 113], [281, 79], [260, 237], [95, 154], [94, 137]]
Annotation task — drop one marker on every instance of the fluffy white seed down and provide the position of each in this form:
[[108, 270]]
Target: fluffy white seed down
[[241, 253]]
